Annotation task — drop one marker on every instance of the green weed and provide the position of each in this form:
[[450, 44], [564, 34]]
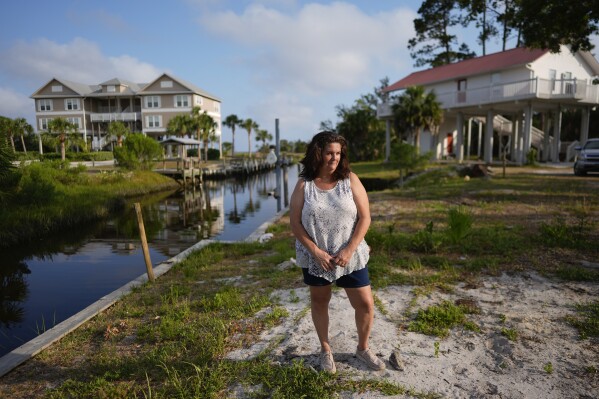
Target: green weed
[[425, 240], [576, 273], [587, 319], [510, 334], [548, 367], [437, 320], [459, 224]]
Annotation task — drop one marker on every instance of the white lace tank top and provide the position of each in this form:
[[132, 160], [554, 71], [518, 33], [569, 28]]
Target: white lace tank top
[[330, 217]]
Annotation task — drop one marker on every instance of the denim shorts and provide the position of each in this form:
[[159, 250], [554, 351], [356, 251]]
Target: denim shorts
[[356, 279]]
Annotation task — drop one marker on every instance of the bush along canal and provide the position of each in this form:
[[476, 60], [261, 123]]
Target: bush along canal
[[48, 281]]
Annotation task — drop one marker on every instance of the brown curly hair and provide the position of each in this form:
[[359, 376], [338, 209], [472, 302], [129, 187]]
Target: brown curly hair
[[313, 158]]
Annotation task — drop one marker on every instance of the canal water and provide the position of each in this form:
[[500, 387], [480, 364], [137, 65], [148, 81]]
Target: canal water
[[47, 282]]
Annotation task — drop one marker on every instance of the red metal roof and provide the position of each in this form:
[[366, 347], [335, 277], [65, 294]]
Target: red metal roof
[[473, 66]]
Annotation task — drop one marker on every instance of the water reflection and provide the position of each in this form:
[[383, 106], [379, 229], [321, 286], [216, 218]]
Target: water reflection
[[45, 282], [13, 291]]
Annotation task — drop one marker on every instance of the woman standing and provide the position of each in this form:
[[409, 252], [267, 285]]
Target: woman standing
[[330, 216]]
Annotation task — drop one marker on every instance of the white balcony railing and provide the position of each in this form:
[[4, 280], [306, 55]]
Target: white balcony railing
[[564, 89], [115, 116]]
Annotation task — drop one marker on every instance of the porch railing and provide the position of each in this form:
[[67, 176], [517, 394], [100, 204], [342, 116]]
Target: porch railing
[[573, 89], [115, 116]]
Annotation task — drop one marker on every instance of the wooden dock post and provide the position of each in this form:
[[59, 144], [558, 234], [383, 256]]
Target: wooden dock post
[[144, 242]]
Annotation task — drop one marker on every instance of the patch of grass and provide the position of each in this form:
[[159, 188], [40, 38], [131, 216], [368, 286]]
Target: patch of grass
[[480, 264], [548, 367], [587, 319], [425, 240], [565, 234], [495, 239], [379, 305], [576, 273], [510, 333], [438, 320]]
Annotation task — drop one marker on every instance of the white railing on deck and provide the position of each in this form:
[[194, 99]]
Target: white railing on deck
[[115, 116], [574, 89]]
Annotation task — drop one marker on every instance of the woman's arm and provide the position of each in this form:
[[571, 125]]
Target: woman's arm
[[363, 208], [296, 205]]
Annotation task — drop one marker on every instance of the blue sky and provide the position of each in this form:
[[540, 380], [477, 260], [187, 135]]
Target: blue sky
[[287, 59]]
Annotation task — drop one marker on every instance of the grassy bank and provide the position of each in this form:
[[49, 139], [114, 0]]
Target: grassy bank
[[171, 338], [47, 197]]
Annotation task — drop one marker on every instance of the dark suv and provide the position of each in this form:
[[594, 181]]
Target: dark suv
[[587, 159]]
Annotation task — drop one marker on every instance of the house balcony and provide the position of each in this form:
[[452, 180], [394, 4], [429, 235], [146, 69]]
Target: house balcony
[[115, 116], [564, 90]]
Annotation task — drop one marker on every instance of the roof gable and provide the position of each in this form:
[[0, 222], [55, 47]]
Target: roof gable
[[474, 66], [73, 88], [153, 88]]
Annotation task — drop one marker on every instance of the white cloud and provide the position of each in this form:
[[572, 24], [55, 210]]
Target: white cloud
[[321, 47], [289, 109], [16, 105], [80, 60]]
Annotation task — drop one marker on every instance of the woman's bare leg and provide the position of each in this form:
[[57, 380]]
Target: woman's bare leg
[[363, 304], [319, 302]]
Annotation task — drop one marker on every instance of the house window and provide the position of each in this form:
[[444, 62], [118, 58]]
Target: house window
[[153, 102], [216, 107], [57, 89], [44, 123], [181, 101], [71, 104], [154, 120], [166, 84], [198, 100], [111, 89], [75, 121], [44, 105]]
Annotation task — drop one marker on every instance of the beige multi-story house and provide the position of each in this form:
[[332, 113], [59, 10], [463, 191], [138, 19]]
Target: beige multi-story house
[[143, 107]]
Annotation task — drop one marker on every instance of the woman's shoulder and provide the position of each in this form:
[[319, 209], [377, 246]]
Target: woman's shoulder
[[353, 178]]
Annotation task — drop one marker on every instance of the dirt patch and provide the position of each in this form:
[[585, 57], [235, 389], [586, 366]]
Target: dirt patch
[[545, 360]]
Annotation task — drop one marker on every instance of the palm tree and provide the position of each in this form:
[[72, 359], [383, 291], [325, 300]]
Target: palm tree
[[206, 128], [232, 121], [23, 128], [263, 136], [6, 166], [433, 115], [118, 129], [63, 128], [248, 125], [179, 126], [8, 127]]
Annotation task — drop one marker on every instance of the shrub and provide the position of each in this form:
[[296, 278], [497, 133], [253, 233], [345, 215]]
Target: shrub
[[138, 152], [213, 154], [531, 156]]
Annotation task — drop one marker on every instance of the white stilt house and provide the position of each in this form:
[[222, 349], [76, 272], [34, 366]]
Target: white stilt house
[[496, 96]]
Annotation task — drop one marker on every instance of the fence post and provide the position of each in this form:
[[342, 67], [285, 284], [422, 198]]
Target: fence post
[[144, 242]]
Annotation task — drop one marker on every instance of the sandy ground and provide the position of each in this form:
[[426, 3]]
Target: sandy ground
[[469, 364]]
